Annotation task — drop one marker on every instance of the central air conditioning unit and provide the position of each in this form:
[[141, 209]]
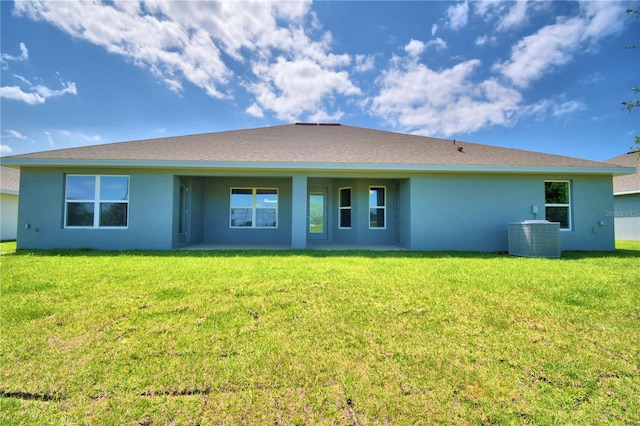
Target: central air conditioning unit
[[534, 238]]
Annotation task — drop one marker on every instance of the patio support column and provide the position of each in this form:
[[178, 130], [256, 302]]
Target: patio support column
[[299, 212]]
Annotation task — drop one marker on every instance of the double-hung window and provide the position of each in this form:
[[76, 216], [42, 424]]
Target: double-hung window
[[253, 208], [96, 201], [377, 207], [557, 199], [344, 208]]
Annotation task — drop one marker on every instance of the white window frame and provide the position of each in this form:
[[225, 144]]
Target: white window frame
[[96, 200], [568, 205], [384, 207], [254, 208], [341, 207]]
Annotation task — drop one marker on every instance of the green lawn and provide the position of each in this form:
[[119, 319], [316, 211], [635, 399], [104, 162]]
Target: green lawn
[[353, 338]]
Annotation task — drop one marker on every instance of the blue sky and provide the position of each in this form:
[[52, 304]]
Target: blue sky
[[539, 75]]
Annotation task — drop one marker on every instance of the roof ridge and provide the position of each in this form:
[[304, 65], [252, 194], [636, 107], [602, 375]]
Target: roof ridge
[[312, 144]]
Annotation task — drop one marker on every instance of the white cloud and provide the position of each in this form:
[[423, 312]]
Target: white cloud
[[485, 39], [63, 138], [14, 134], [566, 108], [537, 54], [323, 116], [556, 107], [505, 15], [294, 88], [10, 134], [602, 19], [515, 17], [446, 102], [255, 111], [414, 47], [88, 138], [198, 43], [434, 29], [555, 45], [35, 94], [49, 139], [364, 63], [5, 58], [458, 15], [590, 79], [438, 43], [167, 49]]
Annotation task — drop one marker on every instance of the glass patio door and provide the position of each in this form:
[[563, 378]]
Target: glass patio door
[[317, 222]]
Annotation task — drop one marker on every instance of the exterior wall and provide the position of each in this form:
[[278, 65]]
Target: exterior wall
[[435, 211], [626, 214], [359, 233], [593, 229], [365, 235], [42, 209], [216, 211], [404, 213], [8, 216], [194, 215], [216, 208], [472, 212]]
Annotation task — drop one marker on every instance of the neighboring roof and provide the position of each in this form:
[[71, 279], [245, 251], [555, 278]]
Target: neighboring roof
[[9, 180], [312, 146], [628, 184]]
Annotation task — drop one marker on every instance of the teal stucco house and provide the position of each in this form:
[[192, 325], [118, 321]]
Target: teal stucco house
[[306, 185]]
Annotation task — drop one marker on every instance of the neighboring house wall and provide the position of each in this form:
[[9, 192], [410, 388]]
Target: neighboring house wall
[[9, 214], [626, 191], [626, 214], [9, 189]]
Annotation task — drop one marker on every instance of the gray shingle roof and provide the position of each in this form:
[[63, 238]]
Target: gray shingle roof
[[9, 180], [300, 144], [627, 183]]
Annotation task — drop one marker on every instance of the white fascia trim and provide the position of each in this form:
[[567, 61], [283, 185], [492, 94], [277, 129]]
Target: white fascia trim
[[9, 192], [635, 191], [463, 168]]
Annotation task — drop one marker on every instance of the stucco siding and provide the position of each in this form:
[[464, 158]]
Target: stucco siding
[[591, 198], [360, 232], [472, 212], [365, 234], [404, 213], [430, 211], [42, 209], [9, 216], [216, 227], [196, 214], [336, 233], [626, 216]]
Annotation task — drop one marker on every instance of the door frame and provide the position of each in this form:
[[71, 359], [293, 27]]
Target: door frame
[[318, 236]]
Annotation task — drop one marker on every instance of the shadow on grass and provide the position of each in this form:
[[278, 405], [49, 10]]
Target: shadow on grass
[[567, 255], [618, 254]]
